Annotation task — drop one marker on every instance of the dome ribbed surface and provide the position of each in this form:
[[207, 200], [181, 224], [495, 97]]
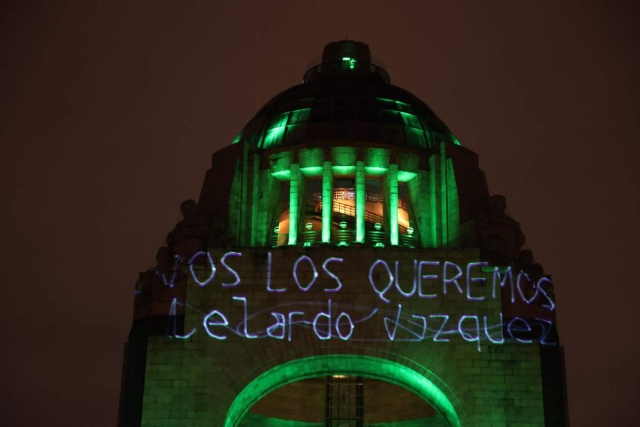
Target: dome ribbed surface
[[346, 108]]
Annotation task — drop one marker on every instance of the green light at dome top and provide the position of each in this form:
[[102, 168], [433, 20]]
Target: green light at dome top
[[346, 364], [349, 62]]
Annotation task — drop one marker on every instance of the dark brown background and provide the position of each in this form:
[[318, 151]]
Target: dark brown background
[[110, 111]]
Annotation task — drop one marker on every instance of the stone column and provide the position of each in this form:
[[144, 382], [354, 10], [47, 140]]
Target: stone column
[[392, 184], [294, 203], [360, 201], [327, 201]]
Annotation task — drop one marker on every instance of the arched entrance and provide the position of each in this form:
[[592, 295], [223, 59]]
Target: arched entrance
[[315, 366]]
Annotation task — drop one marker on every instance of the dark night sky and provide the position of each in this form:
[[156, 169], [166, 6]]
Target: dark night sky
[[110, 111]]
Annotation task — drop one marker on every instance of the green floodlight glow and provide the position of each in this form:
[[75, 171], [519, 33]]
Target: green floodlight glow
[[444, 208], [312, 170], [402, 106], [347, 364], [410, 120], [344, 170], [405, 176], [299, 116], [327, 201], [279, 120], [284, 175], [391, 101], [392, 181], [375, 170], [360, 201], [273, 137], [453, 206], [433, 204]]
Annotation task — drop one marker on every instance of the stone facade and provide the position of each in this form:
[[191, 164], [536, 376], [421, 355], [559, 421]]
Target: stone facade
[[493, 381], [344, 234]]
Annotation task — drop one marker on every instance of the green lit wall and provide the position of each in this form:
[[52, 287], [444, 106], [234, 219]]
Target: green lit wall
[[202, 381], [212, 382]]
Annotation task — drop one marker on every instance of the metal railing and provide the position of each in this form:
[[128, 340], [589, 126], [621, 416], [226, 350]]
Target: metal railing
[[349, 194], [350, 210], [341, 68]]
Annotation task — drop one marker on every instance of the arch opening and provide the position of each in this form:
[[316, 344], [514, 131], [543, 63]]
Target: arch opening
[[310, 367]]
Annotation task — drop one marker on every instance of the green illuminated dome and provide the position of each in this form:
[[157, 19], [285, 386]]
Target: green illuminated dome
[[345, 158], [346, 97]]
